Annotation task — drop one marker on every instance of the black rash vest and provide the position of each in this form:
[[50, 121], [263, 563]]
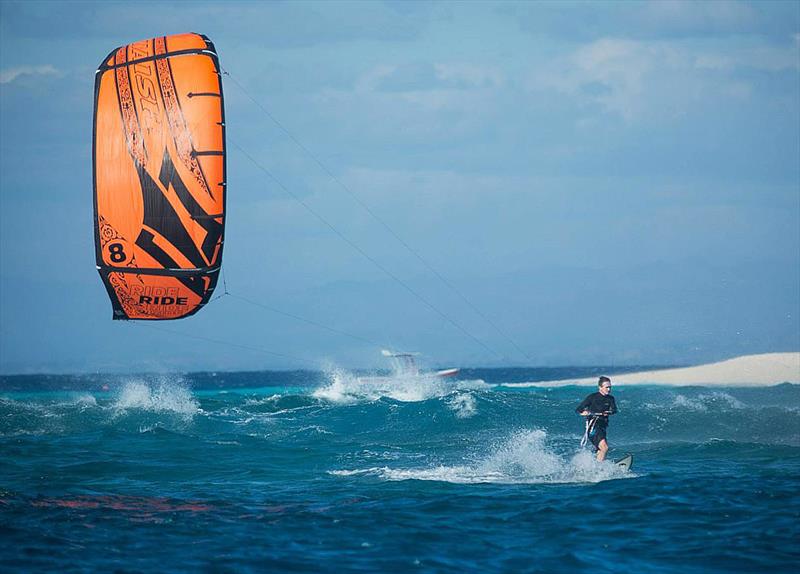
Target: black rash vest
[[597, 403]]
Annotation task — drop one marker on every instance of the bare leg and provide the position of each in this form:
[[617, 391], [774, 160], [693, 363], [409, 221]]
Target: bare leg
[[602, 449]]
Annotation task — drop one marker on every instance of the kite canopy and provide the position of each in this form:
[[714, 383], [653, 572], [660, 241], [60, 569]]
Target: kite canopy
[[159, 176]]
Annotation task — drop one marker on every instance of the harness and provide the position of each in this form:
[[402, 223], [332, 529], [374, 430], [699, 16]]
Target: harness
[[591, 422]]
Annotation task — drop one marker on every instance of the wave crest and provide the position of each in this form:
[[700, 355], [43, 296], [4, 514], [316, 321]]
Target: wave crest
[[346, 388], [716, 400], [463, 404], [522, 458], [163, 396]]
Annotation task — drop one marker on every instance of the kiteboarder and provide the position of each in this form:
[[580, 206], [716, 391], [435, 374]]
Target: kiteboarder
[[596, 408]]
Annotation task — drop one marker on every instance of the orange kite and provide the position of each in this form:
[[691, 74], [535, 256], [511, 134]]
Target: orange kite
[[159, 176]]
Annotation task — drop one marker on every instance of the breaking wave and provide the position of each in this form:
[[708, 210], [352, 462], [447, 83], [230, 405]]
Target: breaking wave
[[463, 404], [346, 388], [159, 397], [522, 458], [716, 400]]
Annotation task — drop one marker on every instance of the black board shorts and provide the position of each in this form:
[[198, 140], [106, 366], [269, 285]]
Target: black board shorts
[[597, 434]]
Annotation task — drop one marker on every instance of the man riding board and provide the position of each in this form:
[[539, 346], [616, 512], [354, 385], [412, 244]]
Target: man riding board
[[596, 408]]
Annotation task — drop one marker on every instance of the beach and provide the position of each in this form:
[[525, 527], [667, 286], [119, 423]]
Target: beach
[[751, 370]]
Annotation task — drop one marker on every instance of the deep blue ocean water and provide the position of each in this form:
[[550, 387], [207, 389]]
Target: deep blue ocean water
[[319, 472]]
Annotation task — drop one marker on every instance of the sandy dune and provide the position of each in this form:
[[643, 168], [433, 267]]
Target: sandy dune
[[749, 370]]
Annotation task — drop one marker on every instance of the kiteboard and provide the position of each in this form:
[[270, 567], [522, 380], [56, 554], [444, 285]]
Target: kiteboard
[[625, 462]]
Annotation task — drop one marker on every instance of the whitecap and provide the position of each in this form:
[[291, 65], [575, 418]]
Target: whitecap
[[262, 400], [719, 397], [163, 396], [345, 388], [717, 400], [689, 404], [463, 404], [522, 458]]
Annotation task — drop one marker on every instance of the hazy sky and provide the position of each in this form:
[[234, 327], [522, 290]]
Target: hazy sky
[[607, 183]]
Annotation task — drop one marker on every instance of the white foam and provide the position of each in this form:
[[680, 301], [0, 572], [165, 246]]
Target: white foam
[[262, 400], [463, 404], [717, 397], [345, 388], [315, 428], [163, 396], [82, 399], [87, 399], [701, 403], [523, 458], [689, 404]]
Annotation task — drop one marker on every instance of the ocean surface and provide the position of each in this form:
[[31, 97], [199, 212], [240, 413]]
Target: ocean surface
[[326, 472]]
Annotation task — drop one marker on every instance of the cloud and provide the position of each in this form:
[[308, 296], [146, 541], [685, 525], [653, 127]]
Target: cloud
[[635, 79], [9, 75], [610, 72]]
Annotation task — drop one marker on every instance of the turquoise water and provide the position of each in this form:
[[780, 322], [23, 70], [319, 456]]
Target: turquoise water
[[316, 472]]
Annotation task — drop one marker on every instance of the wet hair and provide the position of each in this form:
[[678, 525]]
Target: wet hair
[[602, 380]]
